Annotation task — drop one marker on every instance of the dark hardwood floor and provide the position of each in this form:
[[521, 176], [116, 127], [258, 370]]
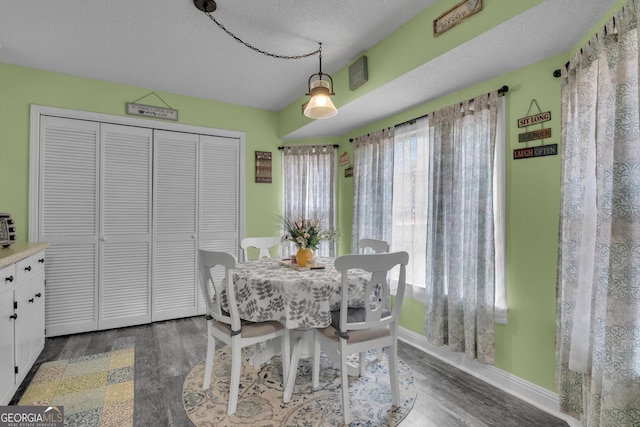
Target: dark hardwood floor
[[166, 352]]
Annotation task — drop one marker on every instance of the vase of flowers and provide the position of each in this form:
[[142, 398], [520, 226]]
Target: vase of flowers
[[306, 234]]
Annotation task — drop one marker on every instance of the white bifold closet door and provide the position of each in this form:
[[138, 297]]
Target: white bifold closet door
[[68, 220], [125, 209], [125, 226], [95, 211]]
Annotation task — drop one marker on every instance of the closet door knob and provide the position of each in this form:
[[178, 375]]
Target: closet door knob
[[13, 316], [39, 295], [9, 279], [41, 260], [27, 268]]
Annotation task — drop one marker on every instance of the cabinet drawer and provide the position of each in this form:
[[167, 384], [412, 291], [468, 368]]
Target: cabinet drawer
[[8, 276], [38, 263], [26, 269]]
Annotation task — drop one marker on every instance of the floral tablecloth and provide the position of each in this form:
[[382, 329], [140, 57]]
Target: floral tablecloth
[[267, 290]]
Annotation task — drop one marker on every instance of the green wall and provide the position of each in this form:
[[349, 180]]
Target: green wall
[[20, 87]]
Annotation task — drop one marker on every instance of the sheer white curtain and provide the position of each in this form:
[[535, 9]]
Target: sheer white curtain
[[372, 187], [598, 323], [410, 200], [309, 186], [460, 250]]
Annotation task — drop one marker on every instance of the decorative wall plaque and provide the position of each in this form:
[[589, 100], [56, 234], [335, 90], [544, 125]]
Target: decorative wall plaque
[[263, 166], [348, 171], [151, 111], [455, 15], [344, 159], [358, 73], [540, 151]]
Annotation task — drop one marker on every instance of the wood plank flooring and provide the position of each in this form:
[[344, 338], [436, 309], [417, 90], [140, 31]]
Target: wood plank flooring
[[166, 352]]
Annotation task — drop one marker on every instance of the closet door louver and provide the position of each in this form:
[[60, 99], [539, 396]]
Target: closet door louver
[[68, 219], [125, 235], [175, 225]]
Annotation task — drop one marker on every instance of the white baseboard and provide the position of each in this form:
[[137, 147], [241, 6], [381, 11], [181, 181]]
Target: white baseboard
[[525, 390]]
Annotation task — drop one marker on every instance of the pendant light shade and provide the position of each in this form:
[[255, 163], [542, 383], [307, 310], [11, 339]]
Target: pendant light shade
[[320, 105]]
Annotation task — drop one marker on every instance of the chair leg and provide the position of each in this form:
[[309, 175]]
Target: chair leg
[[236, 368], [286, 355], [345, 383], [316, 361], [208, 365], [379, 353], [362, 364], [291, 377], [393, 374]]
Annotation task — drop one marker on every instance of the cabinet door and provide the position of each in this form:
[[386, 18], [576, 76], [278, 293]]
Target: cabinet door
[[125, 226], [23, 328], [175, 225], [68, 219], [38, 306], [7, 375]]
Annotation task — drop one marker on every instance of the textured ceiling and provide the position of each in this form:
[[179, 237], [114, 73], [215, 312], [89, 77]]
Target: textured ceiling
[[171, 46]]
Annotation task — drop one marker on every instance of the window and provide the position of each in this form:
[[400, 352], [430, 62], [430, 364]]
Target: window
[[309, 186]]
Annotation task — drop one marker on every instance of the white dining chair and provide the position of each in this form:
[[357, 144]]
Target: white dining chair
[[263, 245], [227, 326], [375, 245], [358, 330]]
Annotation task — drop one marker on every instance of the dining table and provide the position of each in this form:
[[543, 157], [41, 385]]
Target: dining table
[[300, 298], [297, 297]]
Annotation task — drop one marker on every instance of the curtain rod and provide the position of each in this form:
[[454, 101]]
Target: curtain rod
[[309, 145], [504, 89]]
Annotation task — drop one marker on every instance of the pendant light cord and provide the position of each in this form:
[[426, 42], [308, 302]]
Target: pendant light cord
[[250, 46]]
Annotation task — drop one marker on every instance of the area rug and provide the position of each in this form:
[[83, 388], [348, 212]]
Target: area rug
[[260, 397], [94, 390]]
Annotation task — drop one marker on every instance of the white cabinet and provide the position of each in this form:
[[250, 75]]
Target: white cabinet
[[22, 331]]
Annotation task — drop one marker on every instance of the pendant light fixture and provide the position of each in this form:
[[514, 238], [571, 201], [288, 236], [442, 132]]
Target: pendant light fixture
[[320, 89], [320, 85]]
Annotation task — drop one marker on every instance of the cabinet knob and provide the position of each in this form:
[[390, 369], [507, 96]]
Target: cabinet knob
[[31, 299], [39, 295], [13, 316], [41, 260], [9, 279], [27, 268]]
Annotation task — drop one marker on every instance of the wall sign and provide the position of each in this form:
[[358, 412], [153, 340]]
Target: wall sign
[[263, 166], [455, 15], [151, 111], [344, 159], [539, 134], [535, 119], [135, 109], [540, 151], [536, 134]]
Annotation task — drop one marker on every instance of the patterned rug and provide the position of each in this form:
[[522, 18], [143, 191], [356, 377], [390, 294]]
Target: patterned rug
[[95, 390], [260, 397]]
